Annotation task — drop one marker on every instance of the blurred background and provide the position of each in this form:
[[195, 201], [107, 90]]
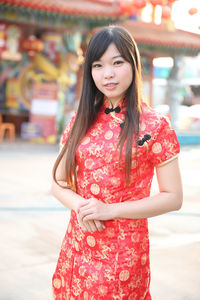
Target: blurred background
[[42, 48]]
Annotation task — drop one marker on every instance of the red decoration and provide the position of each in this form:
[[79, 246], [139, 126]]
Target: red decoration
[[126, 6], [139, 4], [33, 45], [130, 7], [193, 11], [166, 12], [156, 2]]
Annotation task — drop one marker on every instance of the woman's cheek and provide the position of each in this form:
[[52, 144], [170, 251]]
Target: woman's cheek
[[97, 79], [125, 73]]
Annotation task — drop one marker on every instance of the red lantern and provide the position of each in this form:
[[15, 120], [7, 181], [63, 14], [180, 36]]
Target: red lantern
[[33, 45], [139, 4], [126, 6], [156, 2], [193, 11], [166, 12]]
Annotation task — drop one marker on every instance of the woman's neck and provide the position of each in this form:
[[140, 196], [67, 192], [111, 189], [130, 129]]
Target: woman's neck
[[113, 103]]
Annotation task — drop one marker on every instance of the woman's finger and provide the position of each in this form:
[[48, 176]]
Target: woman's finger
[[81, 224], [86, 226], [84, 213], [92, 225], [99, 225]]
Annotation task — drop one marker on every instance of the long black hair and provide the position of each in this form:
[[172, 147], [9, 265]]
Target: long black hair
[[92, 99]]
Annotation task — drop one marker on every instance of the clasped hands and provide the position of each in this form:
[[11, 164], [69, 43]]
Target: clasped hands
[[91, 213]]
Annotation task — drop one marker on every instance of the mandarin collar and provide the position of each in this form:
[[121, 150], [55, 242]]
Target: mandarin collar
[[122, 104]]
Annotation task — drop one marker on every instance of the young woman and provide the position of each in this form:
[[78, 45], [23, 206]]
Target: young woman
[[104, 174]]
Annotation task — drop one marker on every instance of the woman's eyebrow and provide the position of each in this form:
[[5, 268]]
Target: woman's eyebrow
[[116, 56]]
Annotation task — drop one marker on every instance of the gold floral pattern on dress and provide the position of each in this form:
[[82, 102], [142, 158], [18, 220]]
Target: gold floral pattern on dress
[[108, 157], [99, 174], [91, 241], [98, 130], [89, 163], [102, 290], [114, 263], [95, 189], [156, 148], [85, 296], [115, 181], [76, 245], [113, 124], [124, 275], [57, 283], [95, 150], [82, 270], [108, 135], [143, 259], [76, 286]]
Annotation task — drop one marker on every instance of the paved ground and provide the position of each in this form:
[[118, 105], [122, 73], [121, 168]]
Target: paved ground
[[33, 223]]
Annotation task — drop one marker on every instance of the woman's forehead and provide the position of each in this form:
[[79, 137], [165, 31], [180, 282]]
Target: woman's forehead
[[111, 52]]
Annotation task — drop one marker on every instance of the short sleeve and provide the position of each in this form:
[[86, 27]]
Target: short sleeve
[[67, 131], [165, 146]]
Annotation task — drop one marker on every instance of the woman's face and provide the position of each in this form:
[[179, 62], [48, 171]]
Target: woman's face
[[112, 74]]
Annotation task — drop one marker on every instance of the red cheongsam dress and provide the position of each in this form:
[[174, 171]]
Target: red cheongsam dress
[[113, 263]]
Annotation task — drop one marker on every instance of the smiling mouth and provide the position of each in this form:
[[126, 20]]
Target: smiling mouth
[[110, 84]]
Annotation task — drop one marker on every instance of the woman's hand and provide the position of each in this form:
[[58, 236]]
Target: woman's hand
[[94, 209], [91, 225]]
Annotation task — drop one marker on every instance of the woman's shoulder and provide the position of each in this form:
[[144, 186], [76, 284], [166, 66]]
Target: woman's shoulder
[[68, 127], [152, 117], [149, 112], [163, 144], [152, 120]]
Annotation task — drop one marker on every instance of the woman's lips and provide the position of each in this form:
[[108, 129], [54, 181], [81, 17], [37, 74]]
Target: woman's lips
[[110, 86]]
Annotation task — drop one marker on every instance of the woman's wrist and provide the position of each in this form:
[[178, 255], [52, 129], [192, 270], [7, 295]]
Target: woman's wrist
[[122, 210], [77, 202], [114, 209]]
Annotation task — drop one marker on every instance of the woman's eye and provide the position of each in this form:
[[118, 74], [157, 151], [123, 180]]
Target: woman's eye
[[96, 65], [118, 62]]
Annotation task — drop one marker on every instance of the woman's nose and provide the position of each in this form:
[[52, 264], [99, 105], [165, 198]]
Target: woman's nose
[[108, 72]]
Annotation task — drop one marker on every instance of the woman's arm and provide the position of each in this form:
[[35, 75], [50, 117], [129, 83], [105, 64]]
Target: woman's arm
[[168, 199], [72, 200], [66, 196]]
